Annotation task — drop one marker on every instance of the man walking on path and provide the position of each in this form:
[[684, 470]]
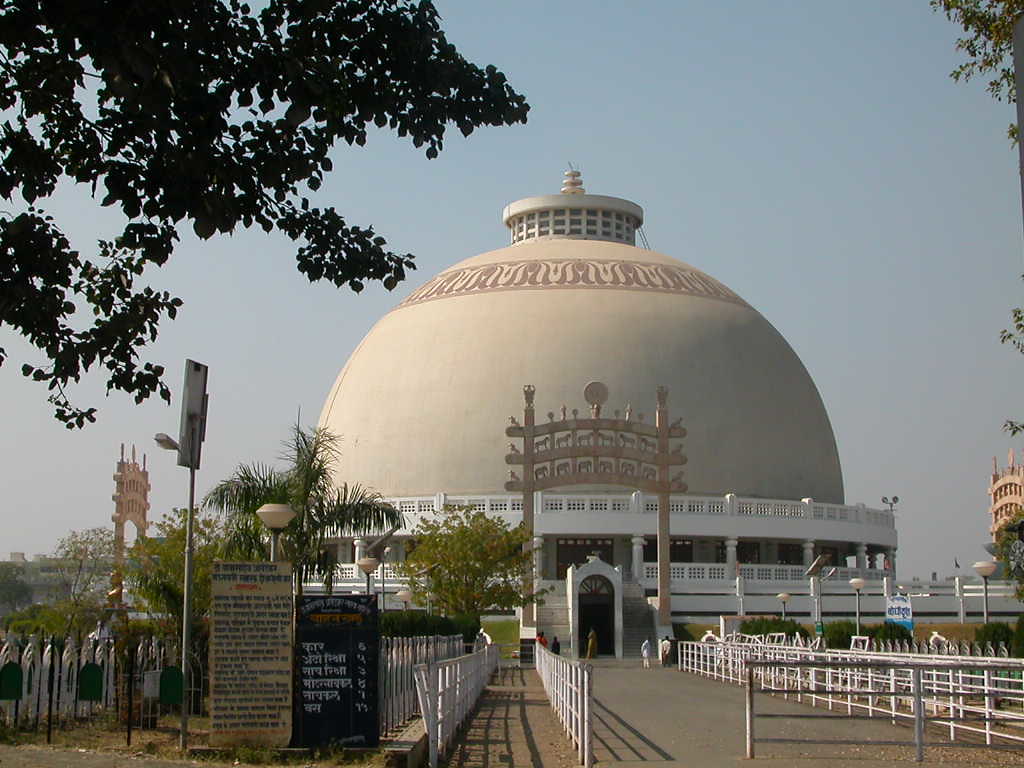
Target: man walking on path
[[645, 652]]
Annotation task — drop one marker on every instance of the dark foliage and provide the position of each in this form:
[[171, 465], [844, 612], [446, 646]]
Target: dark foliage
[[838, 634], [209, 112], [764, 626], [415, 624], [994, 632]]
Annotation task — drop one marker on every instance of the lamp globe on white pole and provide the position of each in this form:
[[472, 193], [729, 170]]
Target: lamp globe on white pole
[[783, 598], [858, 584], [368, 565], [405, 596], [985, 568], [276, 517]]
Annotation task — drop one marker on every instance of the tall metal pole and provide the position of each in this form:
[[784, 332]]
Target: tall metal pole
[[984, 598], [186, 620], [858, 610]]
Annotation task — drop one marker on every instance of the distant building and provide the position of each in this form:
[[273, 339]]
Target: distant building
[[1006, 493]]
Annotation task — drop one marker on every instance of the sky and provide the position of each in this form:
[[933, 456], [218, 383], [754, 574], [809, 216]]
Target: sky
[[814, 157]]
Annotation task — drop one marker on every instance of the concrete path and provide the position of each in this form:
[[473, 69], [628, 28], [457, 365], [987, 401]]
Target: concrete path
[[661, 718], [513, 727]]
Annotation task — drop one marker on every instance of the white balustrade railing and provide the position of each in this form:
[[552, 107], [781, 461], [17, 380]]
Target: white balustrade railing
[[640, 503], [398, 657], [570, 688], [982, 696], [753, 572], [448, 691]]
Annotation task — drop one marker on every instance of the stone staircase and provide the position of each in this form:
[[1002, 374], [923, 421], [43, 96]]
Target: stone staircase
[[637, 620], [553, 616]]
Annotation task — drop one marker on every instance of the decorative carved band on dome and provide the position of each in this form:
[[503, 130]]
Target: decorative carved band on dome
[[574, 273]]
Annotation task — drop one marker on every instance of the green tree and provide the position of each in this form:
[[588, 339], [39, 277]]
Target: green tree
[[14, 592], [36, 619], [322, 509], [208, 112], [469, 563], [83, 561], [155, 569]]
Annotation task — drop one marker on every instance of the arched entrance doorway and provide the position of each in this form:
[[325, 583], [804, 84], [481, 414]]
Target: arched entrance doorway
[[597, 612]]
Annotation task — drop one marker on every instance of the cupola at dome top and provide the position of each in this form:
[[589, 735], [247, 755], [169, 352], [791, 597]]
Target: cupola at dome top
[[573, 214]]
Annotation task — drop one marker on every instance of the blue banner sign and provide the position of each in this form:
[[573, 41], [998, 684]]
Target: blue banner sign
[[899, 611]]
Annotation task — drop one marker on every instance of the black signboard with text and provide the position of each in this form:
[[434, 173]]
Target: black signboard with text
[[336, 657]]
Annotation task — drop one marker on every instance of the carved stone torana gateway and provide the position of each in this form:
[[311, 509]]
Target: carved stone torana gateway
[[622, 450]]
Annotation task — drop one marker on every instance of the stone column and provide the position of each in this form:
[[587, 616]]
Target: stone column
[[808, 552], [538, 557], [730, 557], [862, 555], [638, 556], [360, 549]]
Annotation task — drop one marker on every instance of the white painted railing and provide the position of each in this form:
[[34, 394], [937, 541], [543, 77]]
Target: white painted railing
[[398, 657], [981, 696], [570, 688], [448, 691], [720, 572], [640, 503]]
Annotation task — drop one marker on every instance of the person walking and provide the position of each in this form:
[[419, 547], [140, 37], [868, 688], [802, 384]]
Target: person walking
[[591, 643], [556, 647], [645, 652], [666, 650]]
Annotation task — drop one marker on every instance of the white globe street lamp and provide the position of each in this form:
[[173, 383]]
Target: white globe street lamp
[[405, 596], [783, 598], [985, 568], [368, 565], [276, 517], [858, 584]]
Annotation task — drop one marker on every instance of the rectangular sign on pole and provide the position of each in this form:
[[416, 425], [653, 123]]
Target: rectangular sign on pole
[[899, 611], [251, 654], [337, 651]]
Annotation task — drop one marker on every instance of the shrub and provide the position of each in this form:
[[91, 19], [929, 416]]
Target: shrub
[[766, 625], [414, 624], [1017, 649], [838, 634], [994, 632], [682, 632], [889, 631], [468, 625]]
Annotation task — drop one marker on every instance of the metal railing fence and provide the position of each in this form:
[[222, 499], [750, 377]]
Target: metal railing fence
[[398, 656], [448, 691], [570, 688], [982, 696]]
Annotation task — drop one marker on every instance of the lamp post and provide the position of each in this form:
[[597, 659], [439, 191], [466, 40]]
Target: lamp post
[[858, 584], [368, 565], [891, 504], [783, 598], [405, 596], [985, 568], [189, 446], [276, 517]]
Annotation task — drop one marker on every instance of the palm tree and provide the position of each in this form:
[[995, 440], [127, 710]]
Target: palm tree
[[322, 510]]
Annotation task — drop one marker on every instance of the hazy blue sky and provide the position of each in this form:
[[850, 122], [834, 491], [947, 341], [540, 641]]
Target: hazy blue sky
[[815, 157]]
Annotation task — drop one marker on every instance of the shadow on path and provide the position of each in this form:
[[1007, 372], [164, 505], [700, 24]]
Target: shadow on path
[[513, 726], [616, 740]]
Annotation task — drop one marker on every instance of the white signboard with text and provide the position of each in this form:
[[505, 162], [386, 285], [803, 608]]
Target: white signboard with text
[[899, 611]]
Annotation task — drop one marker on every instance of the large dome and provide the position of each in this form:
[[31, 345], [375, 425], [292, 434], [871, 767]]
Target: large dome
[[423, 402]]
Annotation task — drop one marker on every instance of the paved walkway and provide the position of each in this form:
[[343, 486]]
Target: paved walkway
[[663, 718], [513, 727]]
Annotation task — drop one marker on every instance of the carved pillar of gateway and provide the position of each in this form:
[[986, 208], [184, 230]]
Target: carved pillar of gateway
[[596, 450]]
